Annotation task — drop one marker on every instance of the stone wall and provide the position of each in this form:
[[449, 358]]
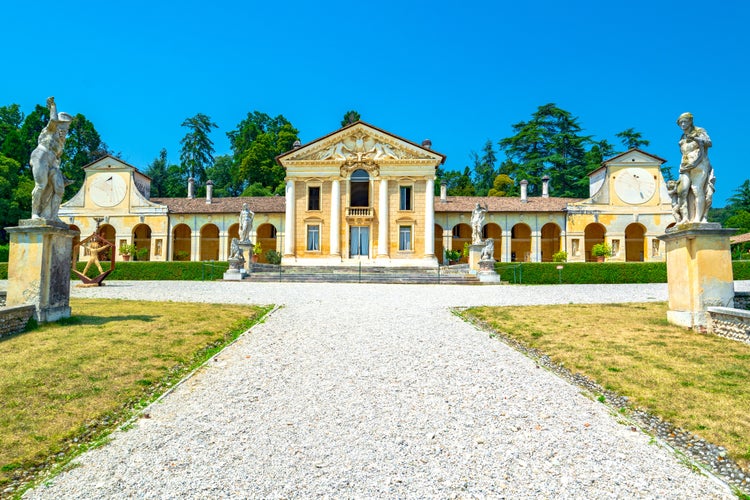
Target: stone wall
[[14, 319], [730, 323]]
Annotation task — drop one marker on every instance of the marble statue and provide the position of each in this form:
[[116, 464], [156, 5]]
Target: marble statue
[[488, 252], [697, 182], [477, 223], [235, 252], [49, 183], [246, 223]]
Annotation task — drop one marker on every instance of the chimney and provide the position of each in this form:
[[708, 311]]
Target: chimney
[[545, 186], [427, 144], [191, 188], [209, 191], [524, 187], [443, 191], [297, 144]]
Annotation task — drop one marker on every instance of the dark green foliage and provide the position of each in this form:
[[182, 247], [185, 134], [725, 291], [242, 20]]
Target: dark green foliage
[[157, 170], [4, 249], [632, 139], [548, 144], [350, 117], [163, 271], [197, 153], [256, 143], [740, 200], [546, 273], [740, 221], [542, 273]]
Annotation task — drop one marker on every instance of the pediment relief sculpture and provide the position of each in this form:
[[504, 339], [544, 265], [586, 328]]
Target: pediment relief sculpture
[[359, 148]]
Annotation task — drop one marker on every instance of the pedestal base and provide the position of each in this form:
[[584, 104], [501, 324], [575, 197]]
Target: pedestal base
[[247, 249], [39, 268], [475, 255], [699, 272], [487, 273]]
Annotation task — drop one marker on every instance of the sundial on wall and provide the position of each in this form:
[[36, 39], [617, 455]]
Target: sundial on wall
[[107, 190], [635, 185]]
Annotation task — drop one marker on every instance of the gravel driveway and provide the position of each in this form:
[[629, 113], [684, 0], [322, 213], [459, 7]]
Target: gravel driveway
[[377, 391]]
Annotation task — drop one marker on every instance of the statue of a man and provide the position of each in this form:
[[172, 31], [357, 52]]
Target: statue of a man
[[246, 223], [477, 223], [696, 172], [49, 183]]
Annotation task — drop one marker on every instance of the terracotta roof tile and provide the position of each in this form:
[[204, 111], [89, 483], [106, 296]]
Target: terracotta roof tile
[[739, 238], [503, 204], [258, 204]]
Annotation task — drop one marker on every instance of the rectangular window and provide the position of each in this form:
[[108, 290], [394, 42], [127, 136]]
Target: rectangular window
[[313, 198], [404, 237], [405, 198], [313, 238]]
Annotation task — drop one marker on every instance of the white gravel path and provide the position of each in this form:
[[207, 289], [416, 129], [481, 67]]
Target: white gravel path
[[377, 391]]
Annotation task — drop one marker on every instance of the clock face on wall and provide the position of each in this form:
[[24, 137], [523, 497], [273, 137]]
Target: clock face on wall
[[635, 185], [107, 190]]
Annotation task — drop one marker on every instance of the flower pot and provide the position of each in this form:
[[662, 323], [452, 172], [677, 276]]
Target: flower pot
[[600, 258], [125, 258], [254, 259]]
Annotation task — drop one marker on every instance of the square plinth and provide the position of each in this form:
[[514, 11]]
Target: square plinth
[[699, 272], [39, 268]]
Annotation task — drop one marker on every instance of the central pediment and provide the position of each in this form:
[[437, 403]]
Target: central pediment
[[360, 143]]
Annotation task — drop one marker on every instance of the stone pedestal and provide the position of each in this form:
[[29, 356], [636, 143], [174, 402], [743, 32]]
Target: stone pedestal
[[699, 272], [487, 273], [236, 270], [247, 249], [39, 268], [475, 255]]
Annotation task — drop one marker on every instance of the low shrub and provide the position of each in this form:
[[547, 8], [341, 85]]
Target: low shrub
[[546, 273], [4, 250]]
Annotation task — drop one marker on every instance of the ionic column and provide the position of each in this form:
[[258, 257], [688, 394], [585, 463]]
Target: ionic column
[[289, 220], [429, 218], [335, 216], [383, 219]]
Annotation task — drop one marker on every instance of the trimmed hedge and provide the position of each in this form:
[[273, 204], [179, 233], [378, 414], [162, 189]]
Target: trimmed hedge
[[546, 273], [163, 271]]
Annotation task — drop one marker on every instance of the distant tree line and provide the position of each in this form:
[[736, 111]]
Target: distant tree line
[[551, 142]]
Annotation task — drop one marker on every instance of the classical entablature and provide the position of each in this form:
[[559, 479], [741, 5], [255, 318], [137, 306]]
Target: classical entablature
[[359, 146]]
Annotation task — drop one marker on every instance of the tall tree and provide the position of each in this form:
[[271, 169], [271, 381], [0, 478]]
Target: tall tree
[[550, 143], [157, 170], [256, 142], [632, 139], [197, 152], [503, 185], [740, 199], [349, 118], [15, 194], [11, 119], [484, 169]]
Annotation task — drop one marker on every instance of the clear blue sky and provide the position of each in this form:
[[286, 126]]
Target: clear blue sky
[[458, 73]]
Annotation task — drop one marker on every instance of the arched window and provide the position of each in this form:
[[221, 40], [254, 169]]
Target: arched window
[[359, 189]]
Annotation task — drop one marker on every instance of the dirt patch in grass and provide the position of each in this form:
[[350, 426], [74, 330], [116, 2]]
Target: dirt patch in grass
[[66, 383], [698, 382]]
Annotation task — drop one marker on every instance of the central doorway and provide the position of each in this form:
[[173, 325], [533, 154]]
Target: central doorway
[[359, 241]]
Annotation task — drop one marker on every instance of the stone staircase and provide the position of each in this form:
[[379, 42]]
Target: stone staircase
[[448, 275]]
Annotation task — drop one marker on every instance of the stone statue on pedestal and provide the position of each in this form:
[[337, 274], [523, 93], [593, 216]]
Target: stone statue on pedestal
[[692, 195], [49, 183], [246, 223], [477, 222]]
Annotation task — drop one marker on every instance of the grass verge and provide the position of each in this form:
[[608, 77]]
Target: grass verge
[[66, 385], [697, 382]]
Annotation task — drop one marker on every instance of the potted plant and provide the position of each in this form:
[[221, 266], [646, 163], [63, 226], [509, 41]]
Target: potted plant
[[257, 250], [126, 250], [452, 256], [600, 251]]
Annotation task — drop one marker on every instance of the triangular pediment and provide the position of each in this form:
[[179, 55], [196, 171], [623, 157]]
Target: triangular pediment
[[635, 156], [360, 142]]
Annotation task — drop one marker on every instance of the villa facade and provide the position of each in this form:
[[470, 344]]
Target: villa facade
[[364, 195]]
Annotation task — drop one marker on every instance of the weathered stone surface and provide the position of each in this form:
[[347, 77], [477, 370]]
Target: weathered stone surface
[[39, 269], [699, 272]]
